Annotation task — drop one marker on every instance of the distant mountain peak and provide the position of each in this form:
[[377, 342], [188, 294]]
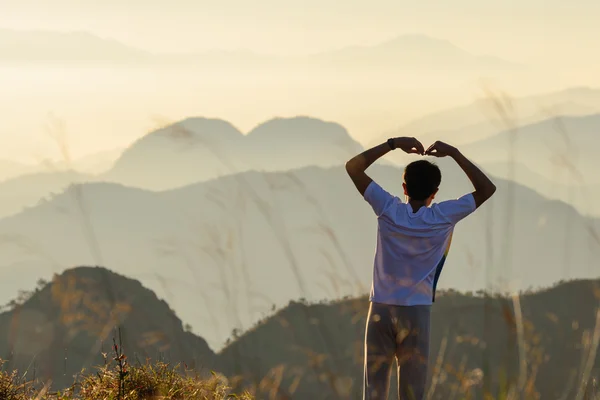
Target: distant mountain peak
[[197, 149], [580, 89], [201, 124], [303, 127], [418, 39], [41, 45], [299, 119], [195, 128], [579, 93], [415, 51]]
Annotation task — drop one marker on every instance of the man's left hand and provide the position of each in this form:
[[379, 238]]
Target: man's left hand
[[409, 145]]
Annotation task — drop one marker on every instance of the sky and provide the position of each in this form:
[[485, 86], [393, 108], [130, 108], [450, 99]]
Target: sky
[[111, 109], [521, 30]]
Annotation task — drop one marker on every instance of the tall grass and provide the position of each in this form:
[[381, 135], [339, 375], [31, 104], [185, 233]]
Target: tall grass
[[118, 380]]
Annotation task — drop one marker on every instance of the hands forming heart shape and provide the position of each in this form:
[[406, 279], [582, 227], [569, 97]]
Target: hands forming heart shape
[[411, 145]]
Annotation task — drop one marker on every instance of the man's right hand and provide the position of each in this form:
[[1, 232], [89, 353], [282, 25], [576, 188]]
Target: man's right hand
[[440, 149]]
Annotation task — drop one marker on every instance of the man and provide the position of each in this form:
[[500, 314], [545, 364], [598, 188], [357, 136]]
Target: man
[[413, 240]]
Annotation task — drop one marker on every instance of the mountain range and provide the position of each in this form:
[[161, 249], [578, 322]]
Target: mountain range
[[233, 214], [198, 149], [92, 164], [192, 150], [414, 51], [552, 134], [28, 190], [20, 46], [564, 186], [479, 120], [560, 149], [304, 350], [316, 350], [236, 245], [212, 229], [225, 227], [407, 52]]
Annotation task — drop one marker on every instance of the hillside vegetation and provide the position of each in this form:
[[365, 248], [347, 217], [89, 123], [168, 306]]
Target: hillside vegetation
[[542, 344]]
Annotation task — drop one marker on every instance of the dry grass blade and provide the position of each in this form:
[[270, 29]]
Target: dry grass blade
[[521, 343], [592, 351], [438, 368]]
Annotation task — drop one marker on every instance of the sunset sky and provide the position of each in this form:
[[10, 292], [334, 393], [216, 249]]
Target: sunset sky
[[554, 37], [521, 30]]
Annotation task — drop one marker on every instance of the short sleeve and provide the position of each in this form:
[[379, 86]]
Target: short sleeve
[[456, 210], [378, 198]]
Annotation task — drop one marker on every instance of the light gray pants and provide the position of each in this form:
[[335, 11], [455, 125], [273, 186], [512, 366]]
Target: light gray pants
[[401, 333]]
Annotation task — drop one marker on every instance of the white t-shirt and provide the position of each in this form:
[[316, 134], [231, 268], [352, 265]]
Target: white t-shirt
[[411, 247]]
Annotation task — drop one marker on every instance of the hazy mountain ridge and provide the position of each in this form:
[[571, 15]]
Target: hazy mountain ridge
[[233, 238], [407, 51], [93, 164], [560, 149], [191, 150], [11, 169], [18, 46], [197, 149], [480, 119], [570, 191], [553, 155], [414, 51], [25, 185], [29, 190]]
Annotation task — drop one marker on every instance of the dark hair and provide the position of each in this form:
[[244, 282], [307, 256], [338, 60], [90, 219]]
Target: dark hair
[[422, 178]]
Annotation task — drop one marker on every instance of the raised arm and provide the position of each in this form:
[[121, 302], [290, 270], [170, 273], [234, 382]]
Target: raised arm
[[357, 166], [484, 187]]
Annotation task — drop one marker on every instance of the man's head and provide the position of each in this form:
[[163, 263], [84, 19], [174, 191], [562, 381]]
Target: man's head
[[421, 181]]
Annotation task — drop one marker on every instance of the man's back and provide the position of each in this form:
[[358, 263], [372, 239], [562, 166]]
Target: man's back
[[412, 242], [411, 246]]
